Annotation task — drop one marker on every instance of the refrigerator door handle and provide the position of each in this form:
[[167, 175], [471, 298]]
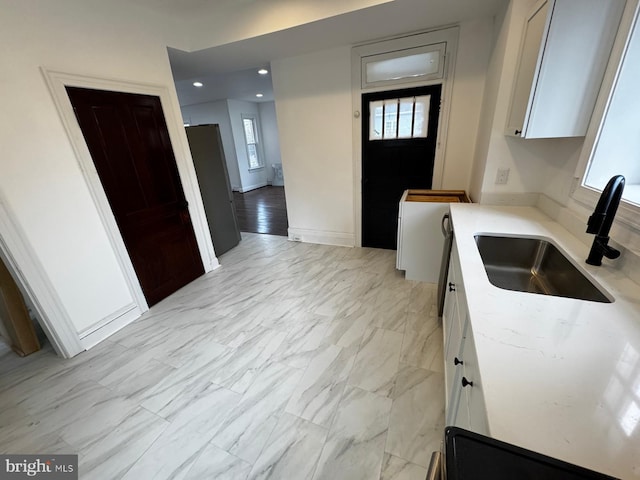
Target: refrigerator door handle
[[445, 229]]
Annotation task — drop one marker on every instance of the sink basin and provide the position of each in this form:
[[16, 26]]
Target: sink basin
[[536, 266]]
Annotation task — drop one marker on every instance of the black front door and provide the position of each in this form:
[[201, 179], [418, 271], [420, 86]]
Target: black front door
[[399, 136]]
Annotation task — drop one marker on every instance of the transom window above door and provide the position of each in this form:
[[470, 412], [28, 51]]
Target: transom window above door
[[409, 65], [399, 118]]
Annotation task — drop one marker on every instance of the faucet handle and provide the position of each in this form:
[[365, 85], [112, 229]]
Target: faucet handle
[[601, 248], [594, 224]]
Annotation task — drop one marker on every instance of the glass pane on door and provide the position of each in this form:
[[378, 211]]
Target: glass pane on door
[[405, 121], [375, 121], [421, 116], [390, 119]]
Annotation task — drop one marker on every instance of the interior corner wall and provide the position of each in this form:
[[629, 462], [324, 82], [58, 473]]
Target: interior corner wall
[[489, 98], [42, 184], [313, 104], [270, 137], [531, 163], [249, 179], [474, 48], [217, 112]]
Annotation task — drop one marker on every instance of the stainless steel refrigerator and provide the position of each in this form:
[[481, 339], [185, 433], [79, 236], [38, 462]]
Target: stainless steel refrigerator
[[211, 168]]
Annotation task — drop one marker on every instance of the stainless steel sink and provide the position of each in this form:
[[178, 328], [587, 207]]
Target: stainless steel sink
[[535, 266]]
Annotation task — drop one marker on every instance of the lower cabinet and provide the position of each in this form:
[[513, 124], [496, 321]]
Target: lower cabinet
[[464, 401]]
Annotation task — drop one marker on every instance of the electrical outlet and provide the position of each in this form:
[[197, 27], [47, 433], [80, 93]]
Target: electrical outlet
[[502, 177]]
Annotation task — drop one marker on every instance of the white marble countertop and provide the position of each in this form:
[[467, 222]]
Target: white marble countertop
[[559, 376]]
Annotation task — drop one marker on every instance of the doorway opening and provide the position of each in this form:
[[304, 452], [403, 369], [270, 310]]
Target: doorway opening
[[242, 104], [399, 139], [263, 210]]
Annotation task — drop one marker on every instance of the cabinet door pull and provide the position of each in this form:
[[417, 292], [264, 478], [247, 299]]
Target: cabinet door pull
[[518, 132], [466, 382], [457, 362], [452, 287]]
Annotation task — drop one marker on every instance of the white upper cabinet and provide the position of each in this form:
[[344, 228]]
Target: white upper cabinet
[[563, 56]]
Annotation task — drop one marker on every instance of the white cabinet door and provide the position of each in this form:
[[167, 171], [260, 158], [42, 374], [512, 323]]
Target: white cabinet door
[[464, 405], [450, 308], [451, 377], [473, 390], [452, 341], [462, 416], [459, 411], [563, 55], [530, 55]]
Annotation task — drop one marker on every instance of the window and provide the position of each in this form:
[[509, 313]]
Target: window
[[399, 118], [617, 149], [251, 139], [612, 145], [404, 66]]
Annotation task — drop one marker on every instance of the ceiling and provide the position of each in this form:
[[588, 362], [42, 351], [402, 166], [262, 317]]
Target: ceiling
[[230, 70]]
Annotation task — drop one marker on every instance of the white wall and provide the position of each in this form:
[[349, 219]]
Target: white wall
[[217, 112], [313, 98], [42, 187], [535, 166], [489, 99], [249, 179], [541, 171], [474, 48], [313, 105], [270, 136]]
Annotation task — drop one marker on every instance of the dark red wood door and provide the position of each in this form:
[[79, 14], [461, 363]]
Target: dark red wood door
[[129, 143]]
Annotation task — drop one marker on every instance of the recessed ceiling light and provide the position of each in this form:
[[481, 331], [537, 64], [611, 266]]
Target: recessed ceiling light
[[259, 95], [198, 84], [263, 71]]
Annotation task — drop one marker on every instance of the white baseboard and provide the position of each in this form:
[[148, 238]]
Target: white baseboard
[[252, 187], [109, 325], [339, 239]]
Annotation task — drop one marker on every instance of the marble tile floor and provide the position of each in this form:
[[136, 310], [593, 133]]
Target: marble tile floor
[[291, 361]]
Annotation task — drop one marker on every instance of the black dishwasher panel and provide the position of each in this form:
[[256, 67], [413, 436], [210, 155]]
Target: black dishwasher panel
[[470, 456]]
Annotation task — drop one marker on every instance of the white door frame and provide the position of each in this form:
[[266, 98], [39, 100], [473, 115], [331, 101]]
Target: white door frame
[[448, 35], [34, 284], [57, 81]]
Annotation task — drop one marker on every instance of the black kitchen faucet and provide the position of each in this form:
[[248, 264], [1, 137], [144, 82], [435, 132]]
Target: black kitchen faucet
[[602, 218]]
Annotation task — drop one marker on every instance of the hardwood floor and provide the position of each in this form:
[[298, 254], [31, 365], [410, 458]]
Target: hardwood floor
[[263, 210]]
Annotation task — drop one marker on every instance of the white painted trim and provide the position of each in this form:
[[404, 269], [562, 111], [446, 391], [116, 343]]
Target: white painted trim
[[448, 35], [34, 282], [130, 308], [252, 187], [628, 213], [104, 329], [322, 237], [57, 81]]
